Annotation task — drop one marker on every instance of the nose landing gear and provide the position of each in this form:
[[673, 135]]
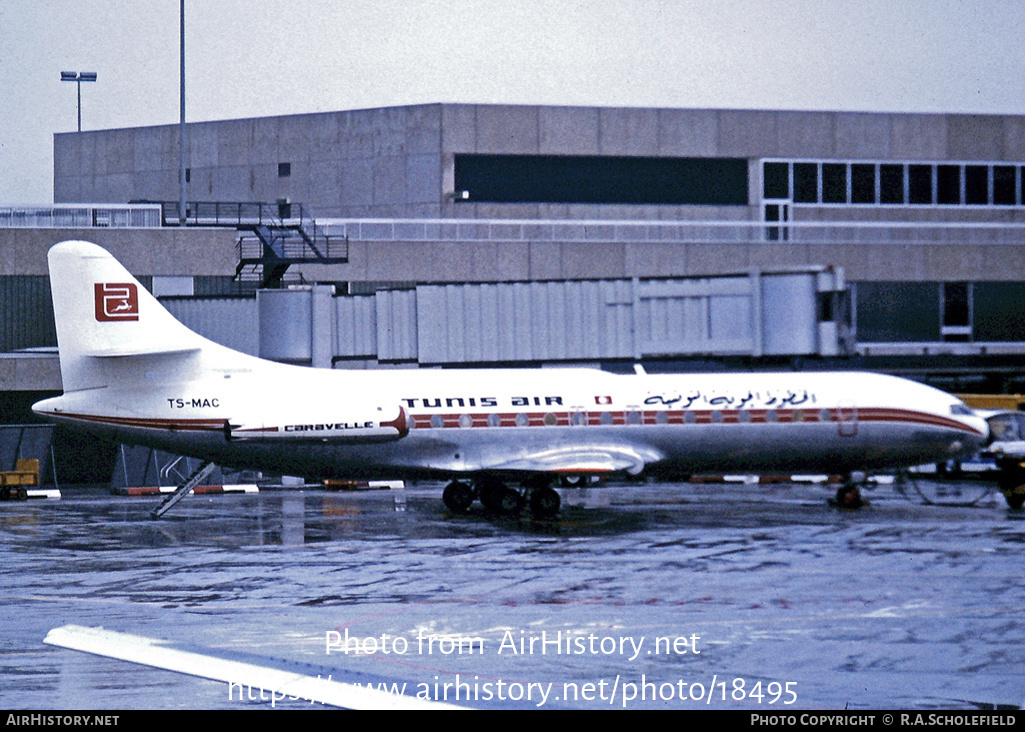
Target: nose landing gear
[[848, 495]]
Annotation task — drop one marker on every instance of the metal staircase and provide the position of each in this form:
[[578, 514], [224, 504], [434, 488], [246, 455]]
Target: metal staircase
[[272, 237]]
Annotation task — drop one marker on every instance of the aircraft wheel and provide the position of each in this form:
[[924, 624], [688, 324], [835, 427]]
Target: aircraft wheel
[[508, 502], [490, 493], [457, 496], [849, 496], [545, 503]]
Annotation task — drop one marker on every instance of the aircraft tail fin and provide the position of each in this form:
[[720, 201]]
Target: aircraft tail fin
[[103, 316]]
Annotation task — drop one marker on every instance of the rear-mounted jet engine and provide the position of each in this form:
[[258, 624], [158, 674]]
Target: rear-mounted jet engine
[[381, 424]]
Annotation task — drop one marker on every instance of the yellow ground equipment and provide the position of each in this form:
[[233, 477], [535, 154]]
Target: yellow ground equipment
[[15, 483], [1013, 402]]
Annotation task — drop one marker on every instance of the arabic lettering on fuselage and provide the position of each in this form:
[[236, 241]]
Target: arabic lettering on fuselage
[[770, 399]]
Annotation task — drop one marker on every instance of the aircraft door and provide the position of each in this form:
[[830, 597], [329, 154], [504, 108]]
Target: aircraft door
[[847, 419]]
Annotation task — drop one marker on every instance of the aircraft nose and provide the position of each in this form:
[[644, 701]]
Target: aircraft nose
[[974, 442]]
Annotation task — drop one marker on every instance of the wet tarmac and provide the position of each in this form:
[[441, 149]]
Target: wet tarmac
[[637, 596]]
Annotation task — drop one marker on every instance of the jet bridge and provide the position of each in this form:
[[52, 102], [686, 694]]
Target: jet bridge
[[760, 313]]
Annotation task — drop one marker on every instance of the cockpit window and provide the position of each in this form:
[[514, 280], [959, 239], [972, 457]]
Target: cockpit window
[[961, 410]]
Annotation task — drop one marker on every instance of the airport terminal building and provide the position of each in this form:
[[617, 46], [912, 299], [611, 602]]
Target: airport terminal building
[[922, 213], [454, 234]]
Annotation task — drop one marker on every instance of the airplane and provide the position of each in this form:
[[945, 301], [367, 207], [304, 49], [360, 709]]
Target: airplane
[[134, 374]]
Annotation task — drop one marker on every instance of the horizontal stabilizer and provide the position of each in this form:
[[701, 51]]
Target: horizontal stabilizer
[[141, 349]]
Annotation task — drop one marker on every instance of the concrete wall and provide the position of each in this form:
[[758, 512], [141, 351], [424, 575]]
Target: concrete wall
[[165, 251], [971, 254], [30, 372], [399, 162], [372, 162], [961, 255]]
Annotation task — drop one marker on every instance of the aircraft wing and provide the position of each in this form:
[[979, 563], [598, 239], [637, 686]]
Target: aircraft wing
[[588, 460]]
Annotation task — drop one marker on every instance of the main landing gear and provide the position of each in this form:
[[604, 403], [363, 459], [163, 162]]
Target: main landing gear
[[498, 498]]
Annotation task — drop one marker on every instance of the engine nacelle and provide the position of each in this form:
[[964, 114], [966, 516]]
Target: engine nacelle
[[380, 424]]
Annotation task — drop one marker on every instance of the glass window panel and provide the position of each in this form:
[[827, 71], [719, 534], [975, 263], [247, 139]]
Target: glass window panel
[[898, 311], [976, 184], [863, 184], [1003, 185], [920, 184], [955, 303], [998, 311], [806, 182], [776, 180], [602, 179], [891, 184], [948, 184], [834, 183]]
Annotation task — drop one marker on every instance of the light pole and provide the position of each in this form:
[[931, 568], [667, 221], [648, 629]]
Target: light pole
[[181, 126], [79, 77]]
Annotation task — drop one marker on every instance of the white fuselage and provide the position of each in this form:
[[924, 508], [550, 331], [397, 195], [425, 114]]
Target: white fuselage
[[405, 423]]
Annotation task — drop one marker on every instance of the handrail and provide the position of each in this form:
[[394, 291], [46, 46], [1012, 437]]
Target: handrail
[[81, 216], [236, 213], [675, 232]]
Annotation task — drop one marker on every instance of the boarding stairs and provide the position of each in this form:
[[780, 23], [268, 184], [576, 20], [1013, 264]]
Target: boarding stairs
[[198, 476], [272, 236]]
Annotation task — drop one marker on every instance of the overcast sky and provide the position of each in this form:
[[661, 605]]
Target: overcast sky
[[250, 58]]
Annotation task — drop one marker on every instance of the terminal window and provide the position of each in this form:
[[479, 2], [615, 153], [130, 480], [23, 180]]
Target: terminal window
[[776, 180], [894, 184], [956, 310], [939, 311], [602, 179], [894, 312], [806, 183], [948, 184], [996, 309], [891, 184], [863, 184], [976, 184], [1004, 185], [834, 183], [920, 180]]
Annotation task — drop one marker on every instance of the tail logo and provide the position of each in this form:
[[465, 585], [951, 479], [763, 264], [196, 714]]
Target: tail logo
[[116, 301]]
